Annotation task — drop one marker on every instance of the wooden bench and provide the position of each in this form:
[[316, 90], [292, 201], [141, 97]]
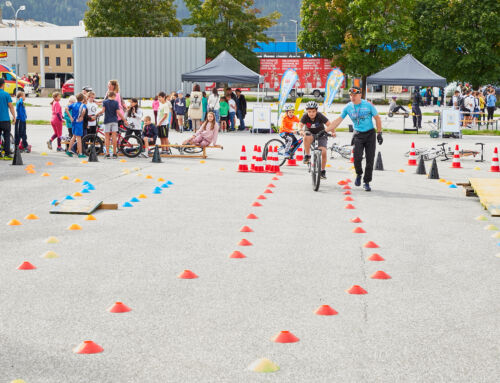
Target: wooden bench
[[202, 154]]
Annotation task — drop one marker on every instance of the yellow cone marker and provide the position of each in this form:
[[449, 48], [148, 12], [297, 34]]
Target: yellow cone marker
[[477, 168], [52, 240], [449, 183], [45, 175], [122, 160], [14, 222], [65, 178], [77, 180], [491, 227], [75, 227], [90, 217], [43, 153], [149, 177], [442, 180], [263, 365], [161, 179], [31, 216], [142, 196], [50, 255], [328, 165], [481, 218], [202, 162], [18, 381], [77, 194], [401, 170]]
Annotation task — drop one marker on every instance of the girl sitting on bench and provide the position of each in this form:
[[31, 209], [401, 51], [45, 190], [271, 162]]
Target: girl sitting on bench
[[207, 134]]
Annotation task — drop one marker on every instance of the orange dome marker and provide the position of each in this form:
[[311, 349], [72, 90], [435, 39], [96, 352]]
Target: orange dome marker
[[347, 180], [375, 258], [45, 175], [118, 308], [90, 217], [342, 183], [348, 199], [123, 160], [252, 216], [279, 174], [187, 274], [285, 337], [28, 167], [271, 186], [357, 290], [246, 229], [77, 194], [256, 204], [77, 180], [31, 216], [261, 197], [75, 227], [245, 242], [149, 177], [84, 162], [380, 275], [161, 179], [356, 220], [31, 171], [359, 230], [349, 206], [371, 245], [237, 254], [26, 266], [88, 347], [49, 163], [14, 222], [268, 191], [65, 178], [325, 310]]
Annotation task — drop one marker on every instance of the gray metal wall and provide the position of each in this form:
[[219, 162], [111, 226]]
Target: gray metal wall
[[10, 60], [143, 66]]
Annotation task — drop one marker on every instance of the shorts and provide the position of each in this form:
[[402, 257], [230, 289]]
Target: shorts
[[110, 127], [78, 130], [163, 131], [224, 118], [322, 138]]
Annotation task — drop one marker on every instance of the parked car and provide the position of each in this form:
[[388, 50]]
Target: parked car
[[10, 82], [68, 88]]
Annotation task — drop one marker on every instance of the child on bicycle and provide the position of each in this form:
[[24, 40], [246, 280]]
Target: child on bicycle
[[149, 134], [286, 129]]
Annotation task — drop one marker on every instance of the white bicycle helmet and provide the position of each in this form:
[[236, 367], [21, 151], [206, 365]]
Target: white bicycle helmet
[[288, 108], [312, 105]]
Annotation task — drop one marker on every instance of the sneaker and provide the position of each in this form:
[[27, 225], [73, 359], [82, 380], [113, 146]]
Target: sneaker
[[59, 149], [68, 153], [307, 159], [357, 182], [82, 156], [323, 175], [143, 155], [28, 149], [49, 145], [367, 187], [115, 156], [288, 155], [107, 156]]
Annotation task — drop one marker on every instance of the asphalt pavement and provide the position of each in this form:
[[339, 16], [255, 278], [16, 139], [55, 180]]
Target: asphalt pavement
[[435, 320]]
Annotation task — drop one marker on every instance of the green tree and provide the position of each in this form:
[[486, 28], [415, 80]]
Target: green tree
[[356, 34], [232, 25], [458, 39], [131, 18]]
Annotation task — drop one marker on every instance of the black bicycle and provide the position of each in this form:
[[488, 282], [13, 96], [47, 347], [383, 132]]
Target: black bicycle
[[314, 165]]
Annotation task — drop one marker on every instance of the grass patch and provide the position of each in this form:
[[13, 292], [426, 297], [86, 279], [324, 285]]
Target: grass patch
[[471, 132], [38, 122]]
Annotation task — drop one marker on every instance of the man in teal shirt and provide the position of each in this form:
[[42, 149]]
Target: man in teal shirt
[[361, 113], [5, 107]]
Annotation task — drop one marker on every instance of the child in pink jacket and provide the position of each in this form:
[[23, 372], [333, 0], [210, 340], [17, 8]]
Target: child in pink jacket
[[56, 121], [207, 134]]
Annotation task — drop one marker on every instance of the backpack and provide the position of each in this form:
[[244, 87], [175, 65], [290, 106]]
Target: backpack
[[195, 102], [461, 102]]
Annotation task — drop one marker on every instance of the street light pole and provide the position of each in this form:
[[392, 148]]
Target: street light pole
[[21, 8], [296, 36]]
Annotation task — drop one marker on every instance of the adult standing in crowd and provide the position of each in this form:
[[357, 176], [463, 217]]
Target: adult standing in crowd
[[195, 111], [213, 104], [36, 81], [114, 86], [231, 100], [173, 124], [241, 108], [491, 101], [415, 108], [204, 105], [6, 107]]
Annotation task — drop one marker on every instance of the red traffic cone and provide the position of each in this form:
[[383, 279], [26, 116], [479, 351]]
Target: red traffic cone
[[456, 159], [245, 242], [243, 165], [26, 266], [187, 274], [285, 337], [325, 310], [237, 254], [349, 206], [276, 161], [357, 290], [494, 162], [256, 204], [356, 220], [254, 158], [380, 275], [351, 160], [375, 258], [246, 229], [259, 166], [300, 154], [269, 158], [359, 230], [412, 160], [252, 216], [118, 308], [88, 347], [291, 162], [370, 245]]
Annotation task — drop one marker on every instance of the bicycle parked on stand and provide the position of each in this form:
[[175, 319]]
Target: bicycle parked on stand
[[11, 145]]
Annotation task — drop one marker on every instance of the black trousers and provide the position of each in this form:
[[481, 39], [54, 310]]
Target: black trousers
[[364, 142], [20, 134], [417, 116], [5, 132]]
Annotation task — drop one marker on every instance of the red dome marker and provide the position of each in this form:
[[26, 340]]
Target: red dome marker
[[252, 216], [348, 199], [359, 230], [371, 245], [187, 274], [237, 254], [347, 180], [342, 183], [325, 310], [346, 187], [271, 186], [88, 347], [275, 179], [375, 258], [119, 308], [285, 337], [268, 191], [26, 266], [279, 174], [349, 206], [245, 242], [356, 220], [261, 197], [256, 204], [380, 275], [246, 229], [347, 192], [357, 290]]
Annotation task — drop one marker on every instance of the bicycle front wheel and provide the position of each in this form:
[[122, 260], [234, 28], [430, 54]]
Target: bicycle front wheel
[[281, 150], [316, 170], [89, 140], [193, 150], [131, 146]]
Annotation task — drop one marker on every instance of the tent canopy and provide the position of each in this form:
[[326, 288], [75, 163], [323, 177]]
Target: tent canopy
[[407, 71], [224, 68]]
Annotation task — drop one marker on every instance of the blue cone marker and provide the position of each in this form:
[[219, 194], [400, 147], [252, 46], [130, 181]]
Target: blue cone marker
[[165, 186], [127, 204], [452, 186], [54, 202], [68, 197], [86, 191], [157, 192], [170, 182], [135, 200]]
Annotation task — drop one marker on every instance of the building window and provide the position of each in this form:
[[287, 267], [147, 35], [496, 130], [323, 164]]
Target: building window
[[35, 46], [47, 61], [68, 61], [35, 60], [68, 46], [58, 61], [46, 45], [58, 46]]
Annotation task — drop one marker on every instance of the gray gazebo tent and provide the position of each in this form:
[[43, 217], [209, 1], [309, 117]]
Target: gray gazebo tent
[[407, 71]]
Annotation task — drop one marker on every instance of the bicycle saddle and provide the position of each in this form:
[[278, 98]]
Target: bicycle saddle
[[443, 144], [480, 143]]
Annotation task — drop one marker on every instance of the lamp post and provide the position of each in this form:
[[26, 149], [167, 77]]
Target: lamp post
[[296, 36], [21, 8]]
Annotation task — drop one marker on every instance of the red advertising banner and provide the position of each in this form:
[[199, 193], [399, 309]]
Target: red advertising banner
[[312, 72]]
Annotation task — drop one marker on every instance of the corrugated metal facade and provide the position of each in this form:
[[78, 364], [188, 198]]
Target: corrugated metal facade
[[143, 66]]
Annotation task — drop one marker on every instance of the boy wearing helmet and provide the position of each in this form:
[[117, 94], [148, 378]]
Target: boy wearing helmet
[[313, 122], [286, 128]]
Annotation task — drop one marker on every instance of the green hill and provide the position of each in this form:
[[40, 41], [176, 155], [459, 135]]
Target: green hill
[[70, 12]]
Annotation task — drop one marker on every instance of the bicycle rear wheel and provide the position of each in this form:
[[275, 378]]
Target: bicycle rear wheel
[[281, 150], [131, 146], [194, 150], [89, 140], [316, 170]]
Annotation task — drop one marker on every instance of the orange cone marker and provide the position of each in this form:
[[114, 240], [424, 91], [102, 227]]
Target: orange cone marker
[[88, 347], [45, 175], [237, 254], [325, 310], [348, 199], [49, 163], [75, 227], [14, 222], [346, 187], [261, 197], [90, 217], [271, 186], [342, 183], [375, 258], [26, 266], [31, 216], [285, 337], [380, 275], [370, 245], [118, 308], [357, 290], [268, 191], [187, 274], [347, 192], [275, 179]]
